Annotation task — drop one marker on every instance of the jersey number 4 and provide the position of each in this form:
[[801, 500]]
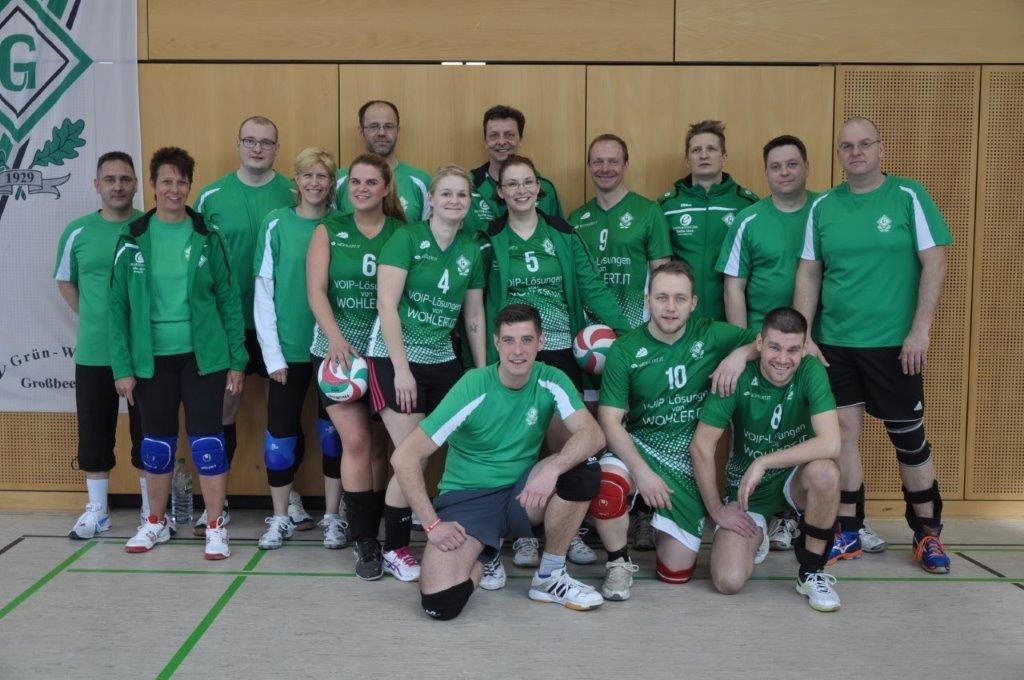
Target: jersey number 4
[[442, 283]]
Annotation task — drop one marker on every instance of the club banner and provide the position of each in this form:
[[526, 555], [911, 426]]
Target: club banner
[[69, 92]]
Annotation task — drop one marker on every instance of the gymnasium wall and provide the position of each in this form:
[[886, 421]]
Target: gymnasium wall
[[944, 81]]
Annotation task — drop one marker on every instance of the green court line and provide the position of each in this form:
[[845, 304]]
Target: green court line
[[46, 579], [210, 617], [334, 574]]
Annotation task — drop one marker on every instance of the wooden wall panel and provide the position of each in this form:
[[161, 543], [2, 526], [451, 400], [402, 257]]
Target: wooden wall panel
[[142, 15], [928, 117], [651, 107], [995, 460], [442, 110], [411, 30], [801, 31]]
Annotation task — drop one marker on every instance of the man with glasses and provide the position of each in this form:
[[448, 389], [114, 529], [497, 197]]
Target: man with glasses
[[503, 131], [379, 127], [700, 209], [874, 253], [235, 205]]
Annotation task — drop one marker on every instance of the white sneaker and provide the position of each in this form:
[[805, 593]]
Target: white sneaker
[[493, 576], [217, 542], [618, 577], [563, 589], [870, 542], [527, 552], [335, 531], [762, 550], [199, 529], [172, 526], [818, 589], [643, 532], [300, 518], [781, 532], [90, 523], [148, 537], [579, 552], [279, 529], [401, 564]]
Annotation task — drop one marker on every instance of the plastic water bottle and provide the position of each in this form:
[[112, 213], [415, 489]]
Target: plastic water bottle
[[181, 494]]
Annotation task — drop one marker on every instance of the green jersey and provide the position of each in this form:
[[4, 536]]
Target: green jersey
[[698, 221], [352, 280], [494, 433], [767, 418], [236, 210], [868, 246], [169, 314], [410, 183], [435, 287], [662, 388], [624, 240], [284, 321], [535, 278], [763, 246], [484, 205], [85, 257]]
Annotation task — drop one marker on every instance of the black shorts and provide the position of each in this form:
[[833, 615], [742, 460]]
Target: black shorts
[[176, 381], [563, 360], [96, 403], [874, 377], [432, 382], [252, 346], [488, 515]]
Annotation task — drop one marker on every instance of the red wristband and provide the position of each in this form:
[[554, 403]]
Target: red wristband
[[433, 525]]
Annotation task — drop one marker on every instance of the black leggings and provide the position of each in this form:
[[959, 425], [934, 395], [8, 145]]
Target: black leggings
[[96, 402], [176, 381], [284, 417]]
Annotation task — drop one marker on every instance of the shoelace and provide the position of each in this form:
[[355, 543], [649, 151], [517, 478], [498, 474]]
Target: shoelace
[[406, 557], [493, 567], [530, 544], [821, 582], [631, 567], [930, 545]]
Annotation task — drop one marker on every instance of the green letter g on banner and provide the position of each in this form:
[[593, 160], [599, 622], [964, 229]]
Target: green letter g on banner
[[16, 76]]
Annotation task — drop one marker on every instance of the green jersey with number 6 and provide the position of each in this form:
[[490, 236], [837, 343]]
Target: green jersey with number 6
[[662, 388], [435, 287], [352, 280], [768, 418], [623, 240]]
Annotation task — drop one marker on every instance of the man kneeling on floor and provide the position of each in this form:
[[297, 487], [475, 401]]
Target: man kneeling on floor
[[493, 487], [786, 442]]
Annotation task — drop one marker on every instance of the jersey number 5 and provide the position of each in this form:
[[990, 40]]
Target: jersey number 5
[[532, 264]]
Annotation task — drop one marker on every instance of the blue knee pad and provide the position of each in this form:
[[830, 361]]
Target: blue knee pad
[[209, 454], [158, 454], [330, 442], [279, 452]]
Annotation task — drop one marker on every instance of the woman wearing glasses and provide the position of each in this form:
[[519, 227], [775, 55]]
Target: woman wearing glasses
[[429, 272], [284, 325]]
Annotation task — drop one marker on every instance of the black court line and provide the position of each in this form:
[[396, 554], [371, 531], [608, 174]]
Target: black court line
[[10, 545], [985, 567]]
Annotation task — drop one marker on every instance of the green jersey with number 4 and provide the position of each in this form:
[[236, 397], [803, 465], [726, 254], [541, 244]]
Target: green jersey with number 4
[[435, 288]]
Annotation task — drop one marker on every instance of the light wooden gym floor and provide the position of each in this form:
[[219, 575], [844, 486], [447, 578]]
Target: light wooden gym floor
[[90, 610]]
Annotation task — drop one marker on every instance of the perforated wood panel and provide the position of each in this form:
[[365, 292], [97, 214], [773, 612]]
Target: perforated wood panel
[[995, 461], [39, 451], [929, 119]]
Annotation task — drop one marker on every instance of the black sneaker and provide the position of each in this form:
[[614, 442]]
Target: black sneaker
[[369, 564]]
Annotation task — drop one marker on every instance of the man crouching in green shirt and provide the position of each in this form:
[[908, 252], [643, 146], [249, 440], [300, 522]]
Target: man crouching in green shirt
[[785, 446], [494, 420]]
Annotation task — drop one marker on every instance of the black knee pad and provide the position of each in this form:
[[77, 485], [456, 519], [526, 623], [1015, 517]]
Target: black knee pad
[[930, 494], [912, 448], [855, 498], [808, 560], [279, 478], [331, 467], [581, 483], [447, 604]]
